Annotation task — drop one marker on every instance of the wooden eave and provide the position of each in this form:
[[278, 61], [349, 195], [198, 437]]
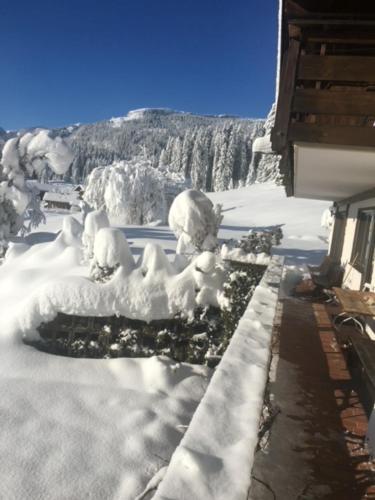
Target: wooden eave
[[327, 78]]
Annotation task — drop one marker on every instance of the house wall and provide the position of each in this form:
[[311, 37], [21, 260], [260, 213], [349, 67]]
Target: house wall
[[352, 278]]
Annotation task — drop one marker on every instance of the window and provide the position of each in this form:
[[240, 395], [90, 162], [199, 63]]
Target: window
[[364, 244]]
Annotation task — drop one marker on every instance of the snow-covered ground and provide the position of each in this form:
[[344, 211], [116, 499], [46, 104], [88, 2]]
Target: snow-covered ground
[[263, 205], [103, 428], [253, 207]]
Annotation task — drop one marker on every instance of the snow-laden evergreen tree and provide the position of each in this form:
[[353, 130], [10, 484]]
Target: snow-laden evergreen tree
[[200, 160], [265, 166], [223, 161], [176, 157], [187, 151], [23, 157]]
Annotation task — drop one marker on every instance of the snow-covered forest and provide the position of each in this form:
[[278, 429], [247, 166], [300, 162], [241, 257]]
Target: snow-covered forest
[[213, 152]]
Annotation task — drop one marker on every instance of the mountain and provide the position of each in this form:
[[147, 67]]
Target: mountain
[[213, 152]]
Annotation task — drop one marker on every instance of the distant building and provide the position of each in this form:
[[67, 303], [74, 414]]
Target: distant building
[[64, 201]]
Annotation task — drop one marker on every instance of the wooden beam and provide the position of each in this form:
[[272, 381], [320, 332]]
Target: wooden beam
[[349, 102], [351, 20], [365, 195], [286, 169], [354, 38], [325, 134], [337, 68], [279, 132]]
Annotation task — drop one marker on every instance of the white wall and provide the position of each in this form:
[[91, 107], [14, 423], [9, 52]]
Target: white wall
[[352, 278]]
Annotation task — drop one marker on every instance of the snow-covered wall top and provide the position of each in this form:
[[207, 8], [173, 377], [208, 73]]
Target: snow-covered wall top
[[215, 457]]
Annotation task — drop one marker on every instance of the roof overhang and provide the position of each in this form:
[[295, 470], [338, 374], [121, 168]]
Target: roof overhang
[[326, 96], [329, 172]]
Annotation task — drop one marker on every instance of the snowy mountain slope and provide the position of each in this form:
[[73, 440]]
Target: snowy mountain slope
[[214, 152]]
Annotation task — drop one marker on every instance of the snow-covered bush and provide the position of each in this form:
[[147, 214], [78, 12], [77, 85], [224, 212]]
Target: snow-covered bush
[[195, 221], [254, 248], [132, 192], [22, 157], [111, 250], [95, 220]]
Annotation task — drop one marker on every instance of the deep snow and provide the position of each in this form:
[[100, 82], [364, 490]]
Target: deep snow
[[253, 207], [103, 428]]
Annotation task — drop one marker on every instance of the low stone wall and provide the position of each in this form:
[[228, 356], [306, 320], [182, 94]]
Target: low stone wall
[[215, 457]]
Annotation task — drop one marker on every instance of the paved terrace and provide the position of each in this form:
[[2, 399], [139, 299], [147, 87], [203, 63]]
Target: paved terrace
[[316, 447]]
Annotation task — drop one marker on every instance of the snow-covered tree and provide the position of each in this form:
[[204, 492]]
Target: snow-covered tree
[[195, 221], [265, 164], [22, 157], [200, 160], [133, 191]]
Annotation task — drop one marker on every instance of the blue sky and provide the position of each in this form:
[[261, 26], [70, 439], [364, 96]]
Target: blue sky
[[73, 61]]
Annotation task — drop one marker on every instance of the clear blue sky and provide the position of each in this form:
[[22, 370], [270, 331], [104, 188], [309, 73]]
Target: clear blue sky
[[67, 61]]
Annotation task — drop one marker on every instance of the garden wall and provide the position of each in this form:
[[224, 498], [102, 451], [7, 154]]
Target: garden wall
[[215, 457]]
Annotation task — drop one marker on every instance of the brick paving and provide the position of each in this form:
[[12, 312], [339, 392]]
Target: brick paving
[[316, 447]]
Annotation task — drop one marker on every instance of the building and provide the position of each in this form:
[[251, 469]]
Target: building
[[324, 127], [63, 200]]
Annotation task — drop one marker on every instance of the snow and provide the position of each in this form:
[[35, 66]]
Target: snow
[[73, 428], [132, 192], [111, 249], [56, 152], [108, 428], [89, 428], [262, 145], [264, 205], [240, 255], [95, 220], [139, 114], [192, 216]]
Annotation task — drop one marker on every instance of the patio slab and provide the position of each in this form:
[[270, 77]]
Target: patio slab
[[316, 446]]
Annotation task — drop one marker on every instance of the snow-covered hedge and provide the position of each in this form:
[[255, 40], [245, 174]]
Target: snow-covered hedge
[[151, 289], [132, 192], [254, 248], [215, 457]]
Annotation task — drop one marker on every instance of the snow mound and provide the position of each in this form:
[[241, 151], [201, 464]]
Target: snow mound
[[111, 249], [151, 290], [239, 255], [192, 218], [95, 220]]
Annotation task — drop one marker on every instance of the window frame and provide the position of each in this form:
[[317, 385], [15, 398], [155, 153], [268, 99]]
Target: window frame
[[360, 246]]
